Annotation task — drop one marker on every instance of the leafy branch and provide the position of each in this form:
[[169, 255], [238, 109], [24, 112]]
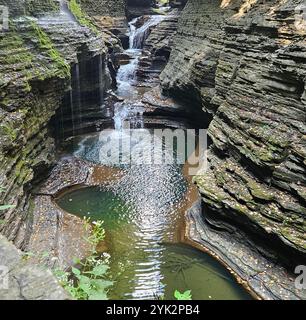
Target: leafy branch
[[88, 282]]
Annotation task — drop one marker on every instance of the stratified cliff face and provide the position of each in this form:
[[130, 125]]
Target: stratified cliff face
[[244, 63], [114, 8], [31, 7], [137, 8], [109, 17], [37, 59]]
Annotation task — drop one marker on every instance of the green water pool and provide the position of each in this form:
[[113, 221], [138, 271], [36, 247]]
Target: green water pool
[[145, 261]]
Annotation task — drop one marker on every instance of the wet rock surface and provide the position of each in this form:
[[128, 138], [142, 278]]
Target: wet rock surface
[[55, 231], [157, 49], [253, 266], [244, 65]]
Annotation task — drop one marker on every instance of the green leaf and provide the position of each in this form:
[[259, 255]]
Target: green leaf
[[183, 296], [6, 207], [85, 284], [76, 271], [97, 295], [99, 270], [76, 260], [101, 284]]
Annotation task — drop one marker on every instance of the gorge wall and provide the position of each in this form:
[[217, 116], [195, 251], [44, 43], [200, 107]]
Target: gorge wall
[[244, 64], [38, 57]]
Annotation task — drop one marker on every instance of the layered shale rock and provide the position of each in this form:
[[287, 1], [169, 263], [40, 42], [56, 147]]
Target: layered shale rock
[[32, 7], [157, 48], [244, 64], [36, 59], [21, 280], [110, 17], [137, 8]]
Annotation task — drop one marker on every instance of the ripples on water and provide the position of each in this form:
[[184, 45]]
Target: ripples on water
[[143, 264], [140, 215], [150, 194]]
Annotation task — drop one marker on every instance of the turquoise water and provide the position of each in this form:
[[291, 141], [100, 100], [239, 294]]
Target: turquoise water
[[146, 263]]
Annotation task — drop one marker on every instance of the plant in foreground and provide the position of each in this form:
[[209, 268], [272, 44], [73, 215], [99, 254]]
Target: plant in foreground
[[183, 296], [4, 207], [88, 281]]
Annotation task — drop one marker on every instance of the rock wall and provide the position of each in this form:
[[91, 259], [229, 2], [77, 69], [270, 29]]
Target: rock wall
[[114, 8], [137, 8], [30, 7], [36, 59], [26, 281], [157, 48], [244, 64], [109, 17]]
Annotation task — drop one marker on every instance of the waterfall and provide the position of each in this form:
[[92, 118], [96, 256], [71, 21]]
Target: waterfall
[[65, 11], [77, 94], [72, 111], [101, 85], [138, 36], [75, 99], [128, 116], [132, 27], [127, 74]]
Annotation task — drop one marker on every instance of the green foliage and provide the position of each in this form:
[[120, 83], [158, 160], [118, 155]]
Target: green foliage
[[88, 281], [97, 233], [183, 296], [159, 11], [4, 207], [81, 17], [45, 43]]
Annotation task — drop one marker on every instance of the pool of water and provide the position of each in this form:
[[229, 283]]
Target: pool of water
[[147, 262]]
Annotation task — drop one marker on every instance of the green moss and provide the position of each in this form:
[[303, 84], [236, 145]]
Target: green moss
[[34, 7], [6, 129], [259, 192], [81, 17], [45, 43]]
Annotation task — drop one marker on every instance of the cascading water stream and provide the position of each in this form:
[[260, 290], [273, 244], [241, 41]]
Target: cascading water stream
[[138, 36], [140, 207], [126, 77], [77, 94], [64, 11]]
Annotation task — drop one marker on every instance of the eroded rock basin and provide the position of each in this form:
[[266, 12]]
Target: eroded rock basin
[[147, 259], [143, 208]]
